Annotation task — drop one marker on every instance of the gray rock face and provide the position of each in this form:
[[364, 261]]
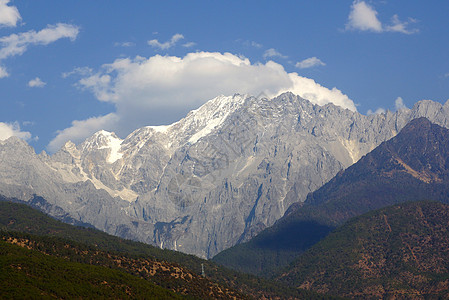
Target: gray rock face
[[215, 178]]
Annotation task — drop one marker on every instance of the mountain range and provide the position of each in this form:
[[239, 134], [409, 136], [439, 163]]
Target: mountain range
[[412, 166], [212, 180]]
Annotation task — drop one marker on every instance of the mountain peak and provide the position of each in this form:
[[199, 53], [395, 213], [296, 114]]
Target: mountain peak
[[104, 140], [211, 115], [421, 122]]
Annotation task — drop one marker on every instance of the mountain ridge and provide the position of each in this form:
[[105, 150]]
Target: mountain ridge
[[389, 174], [232, 180]]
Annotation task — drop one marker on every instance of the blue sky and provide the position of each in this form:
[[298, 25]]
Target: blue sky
[[70, 68]]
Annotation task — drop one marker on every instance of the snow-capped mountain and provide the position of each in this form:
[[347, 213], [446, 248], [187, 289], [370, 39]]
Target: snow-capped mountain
[[211, 180]]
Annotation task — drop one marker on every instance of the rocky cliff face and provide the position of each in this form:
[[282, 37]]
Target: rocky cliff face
[[211, 180]]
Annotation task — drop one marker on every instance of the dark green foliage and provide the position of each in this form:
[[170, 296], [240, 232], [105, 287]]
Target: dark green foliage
[[401, 250], [30, 274]]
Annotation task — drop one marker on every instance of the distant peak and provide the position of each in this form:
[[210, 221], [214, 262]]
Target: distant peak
[[69, 145], [104, 133], [422, 121], [415, 124], [427, 105]]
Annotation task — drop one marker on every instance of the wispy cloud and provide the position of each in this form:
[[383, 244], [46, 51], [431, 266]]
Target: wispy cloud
[[124, 44], [363, 17], [83, 71], [378, 111], [255, 44], [189, 45], [398, 26], [309, 63], [168, 44], [273, 53], [3, 72], [248, 43], [17, 44], [9, 15], [399, 104], [36, 82]]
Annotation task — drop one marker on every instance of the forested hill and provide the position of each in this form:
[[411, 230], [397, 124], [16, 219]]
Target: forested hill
[[397, 252], [175, 271]]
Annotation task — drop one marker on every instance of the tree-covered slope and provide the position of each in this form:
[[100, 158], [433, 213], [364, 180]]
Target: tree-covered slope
[[173, 270], [399, 251], [29, 274]]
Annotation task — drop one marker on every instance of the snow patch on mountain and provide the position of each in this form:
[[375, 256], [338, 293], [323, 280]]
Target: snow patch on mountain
[[212, 114], [105, 140], [160, 128], [114, 145]]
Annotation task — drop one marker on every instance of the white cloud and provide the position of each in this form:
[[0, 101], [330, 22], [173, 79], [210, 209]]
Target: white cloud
[[309, 63], [399, 104], [3, 72], [17, 44], [316, 93], [167, 45], [273, 53], [9, 15], [378, 111], [8, 130], [146, 91], [36, 82], [363, 17]]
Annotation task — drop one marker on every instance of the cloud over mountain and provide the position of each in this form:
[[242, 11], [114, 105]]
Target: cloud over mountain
[[8, 130], [145, 90]]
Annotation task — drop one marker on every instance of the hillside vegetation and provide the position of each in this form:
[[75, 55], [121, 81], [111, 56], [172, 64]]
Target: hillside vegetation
[[32, 229], [29, 274], [400, 251]]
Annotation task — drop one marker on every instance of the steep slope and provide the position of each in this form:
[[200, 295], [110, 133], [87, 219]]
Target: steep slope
[[29, 274], [22, 225], [397, 252], [414, 165], [209, 181], [166, 275]]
